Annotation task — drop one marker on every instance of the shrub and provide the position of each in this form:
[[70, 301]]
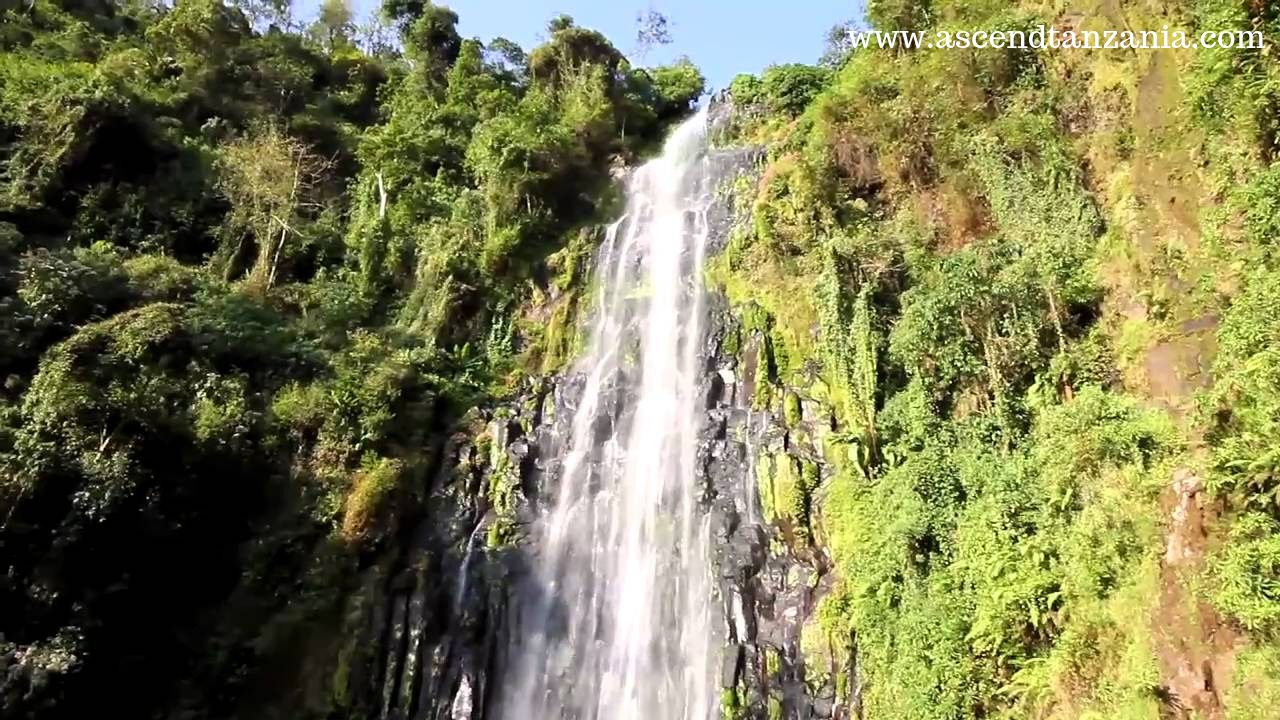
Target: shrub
[[788, 89], [678, 86], [369, 499], [1248, 571], [891, 15], [746, 89], [62, 289], [1246, 399]]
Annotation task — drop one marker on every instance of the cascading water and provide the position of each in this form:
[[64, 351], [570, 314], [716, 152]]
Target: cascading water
[[620, 625]]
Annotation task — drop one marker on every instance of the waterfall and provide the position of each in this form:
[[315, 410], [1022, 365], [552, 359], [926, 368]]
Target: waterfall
[[618, 624], [460, 584], [751, 506]]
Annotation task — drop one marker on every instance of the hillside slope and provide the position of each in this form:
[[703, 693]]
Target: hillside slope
[[1015, 302], [281, 313], [251, 280]]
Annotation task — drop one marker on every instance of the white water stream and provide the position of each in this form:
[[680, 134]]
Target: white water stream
[[623, 627]]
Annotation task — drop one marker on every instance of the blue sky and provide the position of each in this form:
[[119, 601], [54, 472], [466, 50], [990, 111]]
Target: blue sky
[[723, 37]]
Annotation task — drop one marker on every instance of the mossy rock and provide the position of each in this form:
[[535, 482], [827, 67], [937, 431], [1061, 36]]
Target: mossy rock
[[791, 409]]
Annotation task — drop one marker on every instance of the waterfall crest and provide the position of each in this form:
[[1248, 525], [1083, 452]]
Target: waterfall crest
[[618, 623]]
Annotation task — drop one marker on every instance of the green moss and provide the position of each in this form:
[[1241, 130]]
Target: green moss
[[786, 486], [765, 473], [503, 490], [788, 491], [762, 389], [786, 360], [369, 505], [770, 301], [791, 408], [731, 345], [772, 662], [559, 338], [730, 705], [816, 646], [340, 683]]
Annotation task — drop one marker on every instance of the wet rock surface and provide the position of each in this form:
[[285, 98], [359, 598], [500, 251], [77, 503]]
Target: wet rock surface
[[769, 586], [447, 615], [434, 629]]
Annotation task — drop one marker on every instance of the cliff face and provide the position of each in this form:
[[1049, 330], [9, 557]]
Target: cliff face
[[250, 278], [437, 629], [772, 575], [430, 636]]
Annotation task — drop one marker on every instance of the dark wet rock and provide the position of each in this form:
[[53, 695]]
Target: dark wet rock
[[436, 623]]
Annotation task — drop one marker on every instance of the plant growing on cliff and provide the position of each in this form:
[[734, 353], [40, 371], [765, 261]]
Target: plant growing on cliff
[[271, 181], [249, 276]]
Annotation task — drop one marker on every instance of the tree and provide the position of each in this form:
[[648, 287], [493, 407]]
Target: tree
[[839, 45], [269, 178], [334, 25], [571, 49], [652, 28], [376, 37], [439, 20], [402, 13], [559, 23], [432, 39], [890, 15], [266, 13], [678, 86], [507, 56], [789, 88]]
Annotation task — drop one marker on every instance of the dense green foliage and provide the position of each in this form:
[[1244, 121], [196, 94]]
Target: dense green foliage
[[1009, 304], [1044, 289], [250, 278]]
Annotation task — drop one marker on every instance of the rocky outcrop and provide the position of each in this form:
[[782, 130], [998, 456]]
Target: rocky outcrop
[[433, 630], [438, 626], [770, 580]]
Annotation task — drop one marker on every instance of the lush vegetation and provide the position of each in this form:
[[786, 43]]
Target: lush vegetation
[[1044, 290], [251, 275], [1015, 307]]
